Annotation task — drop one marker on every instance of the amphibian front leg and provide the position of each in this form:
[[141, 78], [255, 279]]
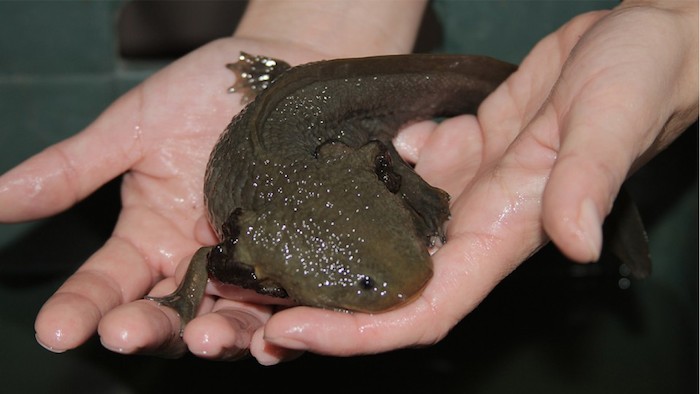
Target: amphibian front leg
[[430, 205]]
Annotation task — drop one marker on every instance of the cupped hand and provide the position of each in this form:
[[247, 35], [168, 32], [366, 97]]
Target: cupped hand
[[545, 159], [159, 135]]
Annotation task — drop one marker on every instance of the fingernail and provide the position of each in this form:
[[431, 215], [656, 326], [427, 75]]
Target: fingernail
[[47, 347], [287, 343], [591, 232], [274, 351], [112, 348]]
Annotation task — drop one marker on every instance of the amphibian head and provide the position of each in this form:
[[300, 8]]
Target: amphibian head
[[334, 232]]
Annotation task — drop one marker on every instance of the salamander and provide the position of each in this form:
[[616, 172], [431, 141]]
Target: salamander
[[306, 191]]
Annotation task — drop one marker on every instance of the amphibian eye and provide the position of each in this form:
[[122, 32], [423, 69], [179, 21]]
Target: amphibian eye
[[366, 282], [385, 172]]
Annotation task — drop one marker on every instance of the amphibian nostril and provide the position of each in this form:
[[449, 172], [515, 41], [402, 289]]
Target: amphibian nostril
[[366, 282]]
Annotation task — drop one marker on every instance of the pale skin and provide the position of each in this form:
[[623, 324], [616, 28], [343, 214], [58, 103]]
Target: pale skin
[[543, 160]]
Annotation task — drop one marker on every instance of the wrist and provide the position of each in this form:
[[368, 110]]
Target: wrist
[[343, 28]]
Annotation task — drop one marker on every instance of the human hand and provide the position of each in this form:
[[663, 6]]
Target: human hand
[[545, 159], [161, 134]]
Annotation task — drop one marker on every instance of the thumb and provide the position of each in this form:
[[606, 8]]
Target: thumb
[[627, 90], [606, 124]]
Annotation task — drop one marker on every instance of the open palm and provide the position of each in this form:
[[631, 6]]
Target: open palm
[[159, 135]]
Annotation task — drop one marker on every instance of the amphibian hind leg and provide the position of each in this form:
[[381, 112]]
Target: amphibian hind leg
[[430, 205], [254, 74], [186, 298]]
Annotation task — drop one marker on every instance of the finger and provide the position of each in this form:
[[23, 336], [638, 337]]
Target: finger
[[71, 315], [145, 327], [142, 327], [121, 271], [452, 154], [342, 334], [411, 139], [66, 172], [203, 233], [514, 104], [596, 155], [225, 333], [267, 353], [592, 164], [606, 122]]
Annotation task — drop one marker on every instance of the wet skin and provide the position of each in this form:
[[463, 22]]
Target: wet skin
[[307, 193]]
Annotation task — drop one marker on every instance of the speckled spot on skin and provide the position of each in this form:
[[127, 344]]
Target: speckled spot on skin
[[58, 335]]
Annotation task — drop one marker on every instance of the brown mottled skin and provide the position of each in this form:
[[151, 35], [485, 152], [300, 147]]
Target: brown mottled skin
[[307, 192]]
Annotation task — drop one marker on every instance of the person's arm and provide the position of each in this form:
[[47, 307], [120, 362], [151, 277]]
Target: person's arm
[[337, 28]]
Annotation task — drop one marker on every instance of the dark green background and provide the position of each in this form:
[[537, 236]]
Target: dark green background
[[550, 327]]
